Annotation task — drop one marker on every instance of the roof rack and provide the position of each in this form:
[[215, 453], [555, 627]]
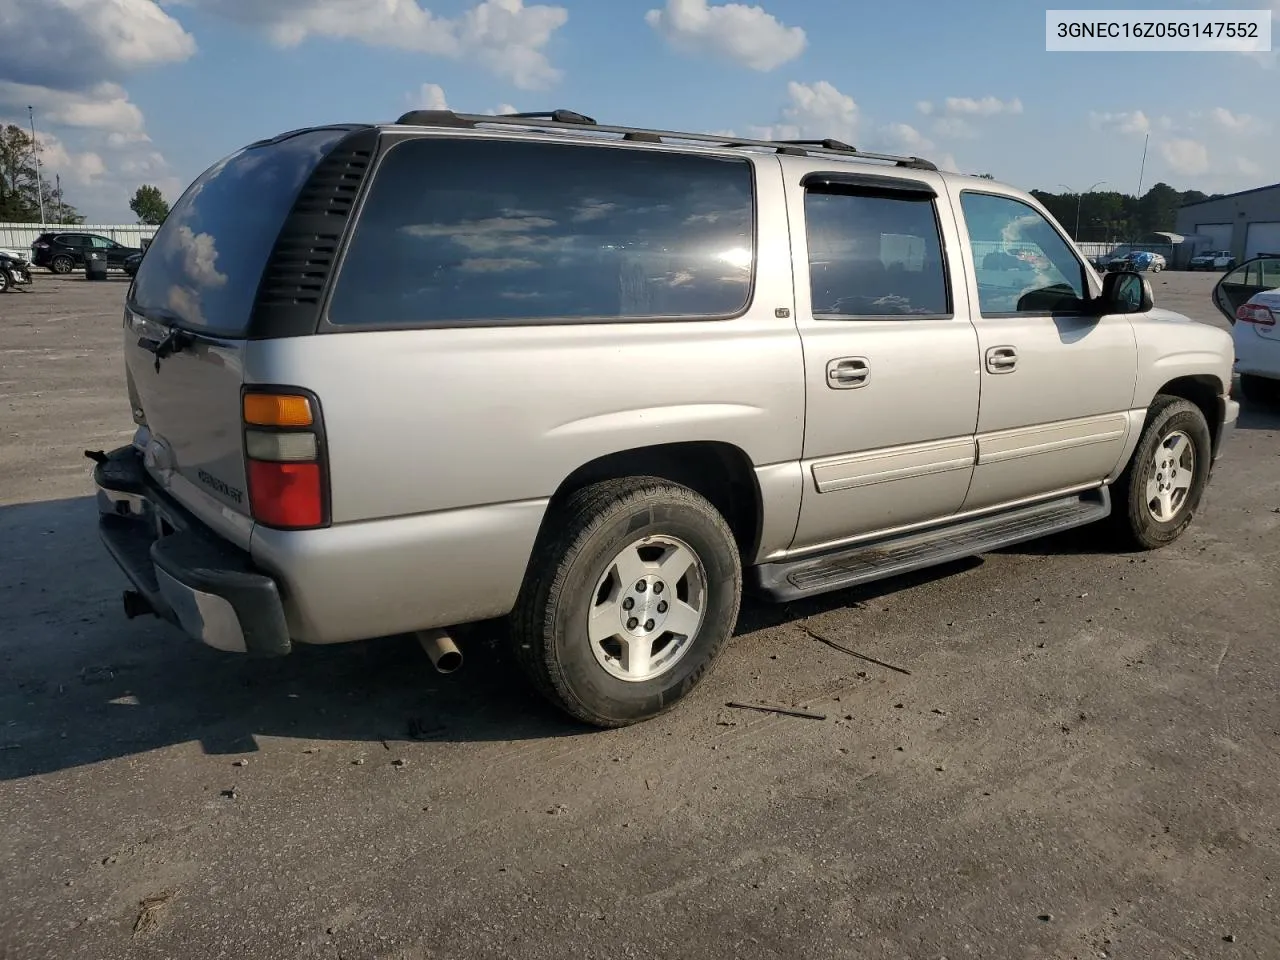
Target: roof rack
[[571, 120]]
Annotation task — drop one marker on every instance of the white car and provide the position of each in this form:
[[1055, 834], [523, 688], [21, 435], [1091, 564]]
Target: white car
[[1257, 340], [1213, 260]]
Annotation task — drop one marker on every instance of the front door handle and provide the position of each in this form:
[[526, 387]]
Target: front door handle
[[846, 373], [1002, 360]]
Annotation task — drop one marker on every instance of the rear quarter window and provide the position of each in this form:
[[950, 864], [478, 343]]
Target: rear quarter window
[[204, 265], [459, 231]]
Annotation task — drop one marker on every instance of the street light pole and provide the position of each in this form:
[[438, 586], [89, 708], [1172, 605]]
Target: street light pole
[[35, 152], [1079, 205]]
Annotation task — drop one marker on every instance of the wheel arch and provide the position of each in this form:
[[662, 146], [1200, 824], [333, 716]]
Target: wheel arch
[[1207, 393], [719, 471]]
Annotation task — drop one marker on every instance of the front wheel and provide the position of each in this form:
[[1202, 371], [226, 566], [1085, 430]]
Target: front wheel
[[1156, 497], [633, 589], [4, 281]]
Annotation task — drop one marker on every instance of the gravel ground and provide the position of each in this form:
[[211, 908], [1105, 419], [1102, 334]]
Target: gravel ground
[[1082, 761]]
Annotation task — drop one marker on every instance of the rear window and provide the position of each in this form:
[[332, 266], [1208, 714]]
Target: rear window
[[458, 230], [203, 267]]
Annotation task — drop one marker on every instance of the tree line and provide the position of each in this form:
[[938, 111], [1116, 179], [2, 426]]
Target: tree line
[[24, 187]]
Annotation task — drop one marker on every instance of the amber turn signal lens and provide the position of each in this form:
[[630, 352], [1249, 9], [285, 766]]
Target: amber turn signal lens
[[277, 410]]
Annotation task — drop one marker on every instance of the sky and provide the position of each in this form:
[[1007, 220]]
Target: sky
[[127, 92]]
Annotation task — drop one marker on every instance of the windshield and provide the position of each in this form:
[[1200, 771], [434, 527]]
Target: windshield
[[203, 267]]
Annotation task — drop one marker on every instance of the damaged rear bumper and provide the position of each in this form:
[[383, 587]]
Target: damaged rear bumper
[[180, 570]]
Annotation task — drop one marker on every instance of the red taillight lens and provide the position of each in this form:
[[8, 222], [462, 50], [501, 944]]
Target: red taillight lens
[[284, 452], [1257, 314], [286, 494]]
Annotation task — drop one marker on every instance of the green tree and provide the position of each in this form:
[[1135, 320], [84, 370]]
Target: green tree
[[19, 202], [150, 205]]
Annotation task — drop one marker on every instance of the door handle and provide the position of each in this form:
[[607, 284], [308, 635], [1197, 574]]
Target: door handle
[[1002, 360], [846, 373]]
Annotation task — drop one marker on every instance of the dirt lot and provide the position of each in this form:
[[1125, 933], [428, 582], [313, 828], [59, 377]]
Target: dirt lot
[[1082, 762]]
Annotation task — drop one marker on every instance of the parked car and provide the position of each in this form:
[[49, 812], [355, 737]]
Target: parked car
[[595, 399], [62, 252], [1240, 285], [1257, 344], [14, 272], [131, 262], [1213, 260], [1138, 261]]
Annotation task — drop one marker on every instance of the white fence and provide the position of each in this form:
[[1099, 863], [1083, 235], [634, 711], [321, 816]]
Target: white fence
[[18, 237]]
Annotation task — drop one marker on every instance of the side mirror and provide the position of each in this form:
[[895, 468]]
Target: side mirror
[[1124, 291]]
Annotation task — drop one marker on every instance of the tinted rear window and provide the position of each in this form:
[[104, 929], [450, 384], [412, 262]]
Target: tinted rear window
[[461, 230], [203, 267]]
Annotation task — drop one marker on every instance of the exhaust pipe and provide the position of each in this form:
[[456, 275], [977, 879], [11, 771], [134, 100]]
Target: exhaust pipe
[[136, 605], [444, 653]]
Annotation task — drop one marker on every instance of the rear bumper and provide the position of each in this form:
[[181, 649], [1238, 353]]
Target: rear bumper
[[185, 573]]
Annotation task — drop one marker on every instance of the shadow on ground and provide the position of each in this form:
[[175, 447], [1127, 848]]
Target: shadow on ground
[[81, 684]]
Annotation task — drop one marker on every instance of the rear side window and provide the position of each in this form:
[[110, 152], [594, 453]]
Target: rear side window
[[458, 231], [203, 267], [874, 255]]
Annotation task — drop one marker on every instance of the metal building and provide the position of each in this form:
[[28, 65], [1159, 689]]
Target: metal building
[[1246, 223]]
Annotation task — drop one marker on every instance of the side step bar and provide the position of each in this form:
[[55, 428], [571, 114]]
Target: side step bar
[[888, 557]]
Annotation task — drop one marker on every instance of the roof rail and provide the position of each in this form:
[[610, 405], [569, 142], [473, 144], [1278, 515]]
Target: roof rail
[[571, 120]]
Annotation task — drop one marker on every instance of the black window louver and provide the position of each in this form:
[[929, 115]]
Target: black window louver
[[297, 272]]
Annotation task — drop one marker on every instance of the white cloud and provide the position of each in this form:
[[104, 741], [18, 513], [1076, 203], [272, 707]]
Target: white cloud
[[1248, 167], [105, 106], [986, 107], [746, 35], [72, 44], [814, 112], [1186, 157], [970, 107], [954, 128], [501, 109], [430, 96], [1130, 122], [75, 169], [1241, 123], [505, 36], [906, 137]]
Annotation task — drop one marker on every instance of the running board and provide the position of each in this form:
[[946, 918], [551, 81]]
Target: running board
[[888, 557]]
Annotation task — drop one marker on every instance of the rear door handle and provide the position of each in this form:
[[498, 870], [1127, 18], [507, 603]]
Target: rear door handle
[[846, 373], [1002, 360]]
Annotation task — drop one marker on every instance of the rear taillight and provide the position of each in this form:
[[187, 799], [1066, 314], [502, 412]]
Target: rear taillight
[[284, 454], [1256, 313], [39, 246]]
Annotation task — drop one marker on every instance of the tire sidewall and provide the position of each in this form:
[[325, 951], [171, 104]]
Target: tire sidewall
[[62, 259], [1191, 421], [622, 701]]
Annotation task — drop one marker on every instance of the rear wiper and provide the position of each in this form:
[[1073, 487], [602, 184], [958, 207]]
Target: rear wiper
[[174, 341]]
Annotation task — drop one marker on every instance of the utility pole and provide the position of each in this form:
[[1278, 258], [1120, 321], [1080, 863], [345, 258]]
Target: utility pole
[[1143, 170], [57, 179], [35, 152]]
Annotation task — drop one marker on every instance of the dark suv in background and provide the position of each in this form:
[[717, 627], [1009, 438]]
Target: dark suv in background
[[63, 252]]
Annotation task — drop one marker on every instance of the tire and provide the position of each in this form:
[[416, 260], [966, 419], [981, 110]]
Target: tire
[[585, 549], [1263, 391], [62, 264], [4, 282], [1134, 516]]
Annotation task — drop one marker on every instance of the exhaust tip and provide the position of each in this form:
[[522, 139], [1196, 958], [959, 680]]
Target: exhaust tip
[[440, 648]]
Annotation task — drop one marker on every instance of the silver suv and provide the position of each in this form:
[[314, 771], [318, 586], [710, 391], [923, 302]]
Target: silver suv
[[593, 381]]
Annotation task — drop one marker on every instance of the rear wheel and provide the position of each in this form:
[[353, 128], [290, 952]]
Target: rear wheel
[[1156, 497], [1260, 390], [61, 264], [632, 591]]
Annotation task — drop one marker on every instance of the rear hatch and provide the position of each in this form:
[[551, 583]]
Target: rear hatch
[[188, 316]]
